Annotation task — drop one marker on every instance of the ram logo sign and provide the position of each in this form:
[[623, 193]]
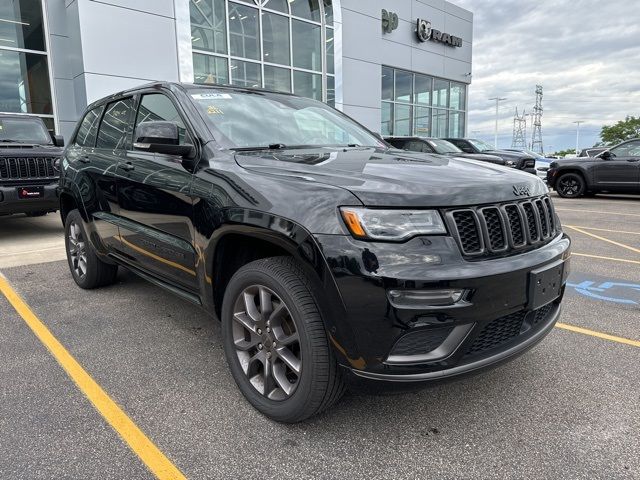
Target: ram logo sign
[[425, 32]]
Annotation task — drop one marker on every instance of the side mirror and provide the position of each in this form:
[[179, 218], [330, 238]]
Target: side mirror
[[58, 140], [606, 155], [160, 137]]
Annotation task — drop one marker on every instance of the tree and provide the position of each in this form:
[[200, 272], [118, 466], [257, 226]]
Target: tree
[[564, 153], [621, 131]]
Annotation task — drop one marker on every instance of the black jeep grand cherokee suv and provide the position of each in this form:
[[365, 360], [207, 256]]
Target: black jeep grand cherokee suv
[[29, 159], [328, 256]]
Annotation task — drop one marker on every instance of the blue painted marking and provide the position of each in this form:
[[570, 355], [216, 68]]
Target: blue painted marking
[[588, 289]]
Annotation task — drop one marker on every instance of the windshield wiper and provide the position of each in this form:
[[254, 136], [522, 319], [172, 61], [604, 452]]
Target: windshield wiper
[[272, 146], [9, 140]]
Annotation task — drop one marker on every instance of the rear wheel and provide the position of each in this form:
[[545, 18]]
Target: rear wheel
[[570, 185], [87, 269], [275, 342]]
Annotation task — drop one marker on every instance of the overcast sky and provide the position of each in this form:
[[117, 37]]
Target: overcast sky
[[585, 53]]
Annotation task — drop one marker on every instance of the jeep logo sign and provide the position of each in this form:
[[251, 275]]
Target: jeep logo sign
[[389, 21], [425, 32], [521, 190]]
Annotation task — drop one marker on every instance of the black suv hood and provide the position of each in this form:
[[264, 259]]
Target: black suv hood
[[29, 149], [396, 177]]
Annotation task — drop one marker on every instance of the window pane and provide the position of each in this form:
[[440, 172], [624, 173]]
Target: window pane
[[309, 9], [331, 91], [440, 92], [279, 5], [307, 85], [439, 127], [245, 74], [328, 12], [114, 125], [329, 49], [24, 83], [88, 131], [275, 31], [21, 24], [277, 79], [244, 32], [402, 120], [387, 83], [423, 89], [208, 69], [456, 124], [457, 96], [404, 84], [208, 25], [387, 121], [306, 46], [158, 107], [422, 121]]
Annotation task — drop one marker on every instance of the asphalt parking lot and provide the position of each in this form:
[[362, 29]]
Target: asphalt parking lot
[[569, 408]]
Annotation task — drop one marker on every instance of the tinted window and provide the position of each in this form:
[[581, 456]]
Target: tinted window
[[158, 107], [114, 125], [631, 149], [88, 131]]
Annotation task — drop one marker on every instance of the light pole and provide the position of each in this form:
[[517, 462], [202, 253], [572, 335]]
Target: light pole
[[578, 122], [495, 133]]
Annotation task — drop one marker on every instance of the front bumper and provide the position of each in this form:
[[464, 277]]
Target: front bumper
[[10, 202], [496, 322]]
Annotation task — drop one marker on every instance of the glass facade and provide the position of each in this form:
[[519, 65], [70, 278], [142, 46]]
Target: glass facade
[[283, 45], [24, 68], [416, 104]]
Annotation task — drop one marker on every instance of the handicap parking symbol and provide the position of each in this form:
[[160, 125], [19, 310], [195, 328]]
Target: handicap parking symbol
[[617, 292]]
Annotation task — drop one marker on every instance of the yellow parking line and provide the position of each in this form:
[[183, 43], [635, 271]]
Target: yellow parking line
[[603, 229], [597, 211], [152, 457], [593, 333], [613, 259], [628, 247]]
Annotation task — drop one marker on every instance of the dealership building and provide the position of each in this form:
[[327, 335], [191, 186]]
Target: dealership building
[[399, 67]]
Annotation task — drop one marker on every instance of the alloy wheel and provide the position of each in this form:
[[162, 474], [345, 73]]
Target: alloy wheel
[[77, 250], [569, 186], [267, 342]]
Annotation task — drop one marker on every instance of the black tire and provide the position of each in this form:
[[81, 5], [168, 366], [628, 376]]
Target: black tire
[[570, 185], [319, 383], [41, 213], [91, 272]]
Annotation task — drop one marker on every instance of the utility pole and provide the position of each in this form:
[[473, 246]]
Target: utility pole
[[495, 133], [578, 122]]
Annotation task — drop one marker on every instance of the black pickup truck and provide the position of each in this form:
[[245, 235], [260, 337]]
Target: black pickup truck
[[29, 166]]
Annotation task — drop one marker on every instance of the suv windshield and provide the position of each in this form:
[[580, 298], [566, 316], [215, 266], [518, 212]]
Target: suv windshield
[[480, 145], [254, 119], [23, 130], [442, 146]]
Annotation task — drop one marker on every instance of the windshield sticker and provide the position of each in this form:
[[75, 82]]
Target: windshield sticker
[[211, 96], [212, 110]]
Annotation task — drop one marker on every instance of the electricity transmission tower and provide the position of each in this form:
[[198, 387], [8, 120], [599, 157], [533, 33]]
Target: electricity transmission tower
[[519, 138], [536, 138]]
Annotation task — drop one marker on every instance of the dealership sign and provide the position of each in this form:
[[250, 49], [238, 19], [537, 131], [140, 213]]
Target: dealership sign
[[425, 32]]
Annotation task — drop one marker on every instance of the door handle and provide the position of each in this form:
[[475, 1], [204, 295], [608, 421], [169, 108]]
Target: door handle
[[127, 167], [632, 159], [84, 159]]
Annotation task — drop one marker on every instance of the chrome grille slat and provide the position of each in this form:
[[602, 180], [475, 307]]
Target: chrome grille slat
[[503, 228], [26, 168]]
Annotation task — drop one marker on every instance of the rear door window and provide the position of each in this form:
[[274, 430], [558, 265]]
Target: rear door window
[[114, 128], [88, 131]]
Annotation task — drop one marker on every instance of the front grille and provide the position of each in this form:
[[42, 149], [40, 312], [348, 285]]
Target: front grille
[[503, 229], [27, 168], [421, 342], [504, 329]]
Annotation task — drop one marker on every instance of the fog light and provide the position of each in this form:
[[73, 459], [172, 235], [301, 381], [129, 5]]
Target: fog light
[[426, 299]]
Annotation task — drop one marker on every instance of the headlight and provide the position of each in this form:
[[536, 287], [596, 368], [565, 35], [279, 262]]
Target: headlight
[[391, 225], [508, 163]]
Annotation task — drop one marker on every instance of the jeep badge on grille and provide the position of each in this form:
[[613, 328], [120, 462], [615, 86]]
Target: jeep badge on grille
[[521, 190]]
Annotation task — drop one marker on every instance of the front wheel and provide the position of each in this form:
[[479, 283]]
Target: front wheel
[[87, 269], [275, 342], [570, 185]]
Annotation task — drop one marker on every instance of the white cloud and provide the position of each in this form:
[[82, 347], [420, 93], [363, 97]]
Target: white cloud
[[585, 53]]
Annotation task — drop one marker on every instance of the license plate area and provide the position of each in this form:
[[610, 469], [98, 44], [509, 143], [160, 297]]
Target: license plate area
[[30, 192], [545, 284]]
